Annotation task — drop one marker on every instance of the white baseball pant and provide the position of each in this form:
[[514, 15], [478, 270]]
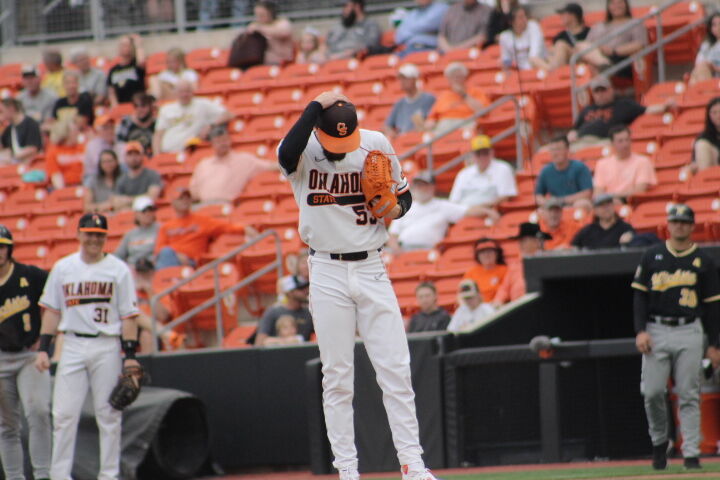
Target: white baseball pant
[[93, 363], [350, 295]]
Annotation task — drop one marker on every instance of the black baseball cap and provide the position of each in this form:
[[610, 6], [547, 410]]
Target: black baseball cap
[[528, 229], [93, 223], [5, 236], [338, 130], [572, 9], [681, 213]]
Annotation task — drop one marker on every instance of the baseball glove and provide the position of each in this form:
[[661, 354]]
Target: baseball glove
[[128, 387], [377, 183]]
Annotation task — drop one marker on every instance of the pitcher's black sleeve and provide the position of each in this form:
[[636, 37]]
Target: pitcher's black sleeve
[[297, 138], [405, 201], [711, 322], [640, 310]]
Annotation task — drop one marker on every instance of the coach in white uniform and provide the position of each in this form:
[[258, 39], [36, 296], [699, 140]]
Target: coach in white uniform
[[323, 156], [90, 297]]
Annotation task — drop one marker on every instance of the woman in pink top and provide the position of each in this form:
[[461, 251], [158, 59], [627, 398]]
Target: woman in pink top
[[277, 31]]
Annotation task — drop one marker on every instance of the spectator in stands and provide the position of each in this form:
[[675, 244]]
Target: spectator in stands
[[499, 20], [624, 173], [594, 121], [523, 45], [311, 49], [76, 102], [530, 239], [472, 308], [137, 180], [103, 140], [37, 102], [567, 180], [92, 80], [65, 153], [143, 273], [424, 226], [706, 149], [139, 126], [223, 176], [21, 139], [487, 181], [707, 62], [431, 317], [607, 229], [296, 300], [188, 117], [619, 46], [139, 243], [54, 72], [277, 31], [101, 186], [491, 268], [287, 332], [127, 77], [162, 85], [561, 229], [457, 104], [409, 113], [464, 25], [565, 43], [419, 29], [182, 240], [356, 32]]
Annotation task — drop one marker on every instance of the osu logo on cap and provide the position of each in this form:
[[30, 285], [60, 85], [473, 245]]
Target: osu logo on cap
[[96, 219], [342, 129]]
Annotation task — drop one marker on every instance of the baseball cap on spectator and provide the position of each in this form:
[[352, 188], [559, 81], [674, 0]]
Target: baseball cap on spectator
[[409, 70], [480, 142], [144, 265], [600, 83], [554, 202], [602, 199], [142, 203], [29, 71], [134, 147], [93, 223], [533, 230], [192, 142], [103, 120], [217, 130], [468, 288], [681, 213], [338, 130], [573, 9], [424, 176], [485, 244], [293, 282]]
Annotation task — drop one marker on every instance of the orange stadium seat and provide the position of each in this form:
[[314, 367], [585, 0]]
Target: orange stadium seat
[[700, 94], [338, 70], [245, 103], [682, 49], [63, 248], [414, 264], [378, 67], [204, 59], [265, 74], [24, 201], [155, 63], [220, 81], [15, 223], [509, 223], [265, 127], [239, 336], [674, 152], [121, 222], [48, 228], [266, 185], [297, 74], [423, 60], [262, 254], [171, 165], [283, 99], [453, 262], [10, 178], [284, 215], [222, 245], [66, 200], [648, 216], [660, 92], [651, 126], [32, 253], [10, 75], [553, 97], [317, 88], [219, 211], [551, 25], [254, 211], [689, 123], [368, 93]]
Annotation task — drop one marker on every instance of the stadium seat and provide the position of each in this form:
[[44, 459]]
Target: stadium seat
[[688, 124], [284, 215], [368, 93], [551, 25], [466, 232], [283, 99], [222, 245], [378, 67], [170, 165], [155, 63], [220, 81], [338, 70], [700, 94], [121, 222], [204, 59], [298, 74], [681, 50], [24, 201], [238, 336], [648, 216], [245, 103], [66, 200], [11, 75], [47, 228], [32, 253], [413, 264], [651, 126], [674, 153], [262, 254], [453, 262], [266, 185], [264, 74], [254, 211], [553, 98], [10, 178], [661, 92], [509, 223]]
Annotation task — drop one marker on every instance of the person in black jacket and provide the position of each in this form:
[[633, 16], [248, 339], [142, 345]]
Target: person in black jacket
[[431, 317], [607, 229], [20, 383]]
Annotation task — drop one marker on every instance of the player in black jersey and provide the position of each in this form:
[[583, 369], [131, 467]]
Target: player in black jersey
[[20, 382], [677, 290]]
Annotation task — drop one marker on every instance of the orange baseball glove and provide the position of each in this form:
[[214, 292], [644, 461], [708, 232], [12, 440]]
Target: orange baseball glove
[[377, 183]]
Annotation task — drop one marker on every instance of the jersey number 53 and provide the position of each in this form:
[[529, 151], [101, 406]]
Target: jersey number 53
[[363, 216]]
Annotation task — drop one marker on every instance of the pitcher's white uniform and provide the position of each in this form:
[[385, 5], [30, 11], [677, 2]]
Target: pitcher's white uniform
[[92, 300], [350, 295]]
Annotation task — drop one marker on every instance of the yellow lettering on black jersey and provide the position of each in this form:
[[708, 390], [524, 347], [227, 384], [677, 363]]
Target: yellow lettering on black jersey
[[23, 282], [697, 263], [13, 306], [662, 281]]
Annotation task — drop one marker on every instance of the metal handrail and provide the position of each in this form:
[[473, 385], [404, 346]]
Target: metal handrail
[[654, 12], [482, 112], [219, 295]]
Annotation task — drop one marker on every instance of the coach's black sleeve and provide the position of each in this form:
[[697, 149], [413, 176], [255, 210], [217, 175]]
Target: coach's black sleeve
[[711, 323], [640, 311], [296, 139], [405, 202], [710, 296]]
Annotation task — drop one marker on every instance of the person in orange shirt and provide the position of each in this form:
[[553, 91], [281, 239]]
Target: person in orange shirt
[[530, 238], [182, 240], [562, 230], [456, 104], [490, 271], [64, 159]]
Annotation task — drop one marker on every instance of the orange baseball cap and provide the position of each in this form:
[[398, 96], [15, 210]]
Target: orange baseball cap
[[134, 147], [338, 130]]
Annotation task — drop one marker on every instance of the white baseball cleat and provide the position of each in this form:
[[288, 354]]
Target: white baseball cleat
[[349, 473], [421, 475]]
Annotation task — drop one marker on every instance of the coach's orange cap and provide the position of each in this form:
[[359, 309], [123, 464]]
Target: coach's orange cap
[[93, 222], [338, 130]]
